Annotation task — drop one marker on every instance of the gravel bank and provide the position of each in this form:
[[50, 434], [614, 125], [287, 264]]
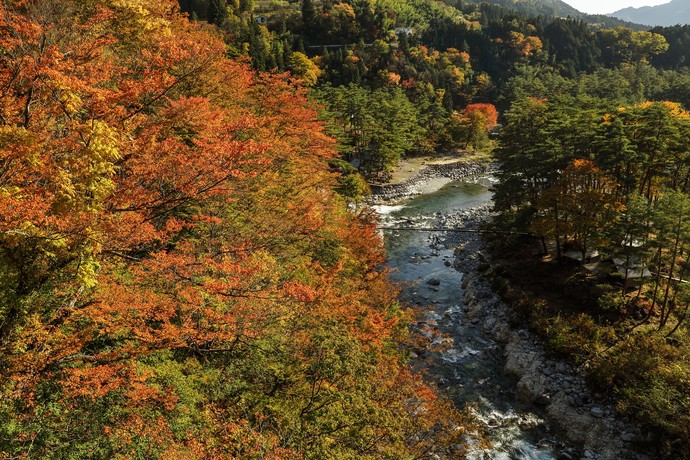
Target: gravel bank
[[428, 179]]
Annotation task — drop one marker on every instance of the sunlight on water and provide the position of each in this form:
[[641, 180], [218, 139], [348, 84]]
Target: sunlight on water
[[384, 210]]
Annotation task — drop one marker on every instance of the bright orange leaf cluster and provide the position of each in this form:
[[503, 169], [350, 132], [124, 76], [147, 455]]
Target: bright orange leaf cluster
[[488, 112]]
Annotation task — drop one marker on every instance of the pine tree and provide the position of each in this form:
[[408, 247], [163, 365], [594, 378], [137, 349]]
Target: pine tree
[[217, 12]]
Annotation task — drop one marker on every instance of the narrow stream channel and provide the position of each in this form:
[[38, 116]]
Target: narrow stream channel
[[470, 368]]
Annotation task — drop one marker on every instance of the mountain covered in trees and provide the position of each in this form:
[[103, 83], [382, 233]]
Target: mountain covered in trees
[[185, 261], [555, 8], [560, 9], [675, 12]]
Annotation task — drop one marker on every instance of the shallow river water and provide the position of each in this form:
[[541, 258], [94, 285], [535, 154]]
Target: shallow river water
[[469, 368]]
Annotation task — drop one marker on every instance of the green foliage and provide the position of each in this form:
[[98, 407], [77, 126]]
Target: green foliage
[[678, 54], [652, 380], [351, 184], [579, 337], [622, 45], [300, 66], [376, 127], [217, 12]]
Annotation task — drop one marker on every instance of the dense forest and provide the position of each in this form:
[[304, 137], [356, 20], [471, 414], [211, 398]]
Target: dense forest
[[428, 60], [182, 263]]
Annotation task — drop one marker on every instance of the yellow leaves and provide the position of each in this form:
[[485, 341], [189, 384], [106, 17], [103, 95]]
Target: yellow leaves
[[607, 119], [87, 270], [144, 16], [70, 101], [14, 138], [103, 144], [525, 46], [459, 76], [676, 109], [302, 67]]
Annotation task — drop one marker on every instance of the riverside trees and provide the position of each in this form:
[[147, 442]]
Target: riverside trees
[[611, 176], [557, 181]]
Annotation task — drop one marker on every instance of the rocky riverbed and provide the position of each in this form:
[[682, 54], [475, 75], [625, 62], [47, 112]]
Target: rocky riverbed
[[533, 407], [558, 389]]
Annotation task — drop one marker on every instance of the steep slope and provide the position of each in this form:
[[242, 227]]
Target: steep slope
[[668, 14], [537, 7]]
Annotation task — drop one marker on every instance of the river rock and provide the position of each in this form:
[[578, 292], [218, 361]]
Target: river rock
[[557, 386], [543, 400], [419, 182], [597, 412], [628, 437], [568, 454]]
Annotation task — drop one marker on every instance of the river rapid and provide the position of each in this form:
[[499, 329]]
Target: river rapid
[[478, 360]]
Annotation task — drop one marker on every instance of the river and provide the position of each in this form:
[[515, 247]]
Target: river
[[470, 367]]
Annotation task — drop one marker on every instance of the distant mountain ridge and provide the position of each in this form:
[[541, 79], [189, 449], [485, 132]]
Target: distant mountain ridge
[[668, 14], [558, 8]]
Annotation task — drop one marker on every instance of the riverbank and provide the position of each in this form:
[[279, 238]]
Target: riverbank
[[419, 176], [569, 407]]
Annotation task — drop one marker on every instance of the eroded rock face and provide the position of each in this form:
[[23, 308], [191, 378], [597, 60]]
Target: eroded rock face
[[556, 386]]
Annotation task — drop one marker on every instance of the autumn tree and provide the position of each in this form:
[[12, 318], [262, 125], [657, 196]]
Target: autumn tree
[[473, 126], [579, 207], [302, 67], [175, 267]]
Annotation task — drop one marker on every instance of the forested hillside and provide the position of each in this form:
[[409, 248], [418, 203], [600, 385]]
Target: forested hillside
[[177, 277], [559, 9], [186, 270], [424, 60]]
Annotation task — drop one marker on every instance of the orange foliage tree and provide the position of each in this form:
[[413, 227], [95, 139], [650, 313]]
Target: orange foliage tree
[[472, 126], [177, 278]]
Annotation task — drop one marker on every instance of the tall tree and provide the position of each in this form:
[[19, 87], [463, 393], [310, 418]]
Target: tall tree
[[217, 12]]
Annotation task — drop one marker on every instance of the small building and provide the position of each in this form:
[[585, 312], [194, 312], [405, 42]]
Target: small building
[[261, 19], [404, 30]]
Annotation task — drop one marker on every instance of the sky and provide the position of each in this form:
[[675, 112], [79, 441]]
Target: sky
[[609, 6]]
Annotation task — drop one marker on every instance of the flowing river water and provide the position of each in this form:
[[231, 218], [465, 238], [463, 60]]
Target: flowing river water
[[469, 365]]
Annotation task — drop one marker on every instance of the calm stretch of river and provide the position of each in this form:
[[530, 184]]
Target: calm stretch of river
[[470, 369]]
